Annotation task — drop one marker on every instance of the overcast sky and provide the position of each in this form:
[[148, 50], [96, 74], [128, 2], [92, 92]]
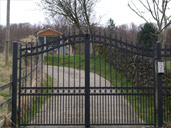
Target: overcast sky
[[28, 11]]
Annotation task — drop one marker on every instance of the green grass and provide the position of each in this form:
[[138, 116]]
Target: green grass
[[101, 68], [5, 94], [106, 71], [38, 102], [168, 65], [5, 72]]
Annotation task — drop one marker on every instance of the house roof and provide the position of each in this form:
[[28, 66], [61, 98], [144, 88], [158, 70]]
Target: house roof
[[48, 32]]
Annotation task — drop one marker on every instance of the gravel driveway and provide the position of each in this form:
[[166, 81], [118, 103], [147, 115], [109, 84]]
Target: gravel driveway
[[59, 109]]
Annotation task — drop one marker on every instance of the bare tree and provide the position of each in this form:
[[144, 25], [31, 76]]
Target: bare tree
[[169, 35], [18, 31], [159, 11], [133, 32], [77, 12]]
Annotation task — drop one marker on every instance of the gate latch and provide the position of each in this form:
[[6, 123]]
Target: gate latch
[[160, 67]]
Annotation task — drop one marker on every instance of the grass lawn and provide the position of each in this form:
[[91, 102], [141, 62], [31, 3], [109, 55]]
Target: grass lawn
[[168, 65], [143, 105], [5, 72]]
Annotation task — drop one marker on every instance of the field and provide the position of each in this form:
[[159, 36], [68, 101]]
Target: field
[[5, 73]]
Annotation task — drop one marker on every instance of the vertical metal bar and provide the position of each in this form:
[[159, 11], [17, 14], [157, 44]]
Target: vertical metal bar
[[111, 105], [37, 98], [168, 117], [26, 64], [143, 103], [100, 96], [92, 99], [154, 89], [52, 104], [127, 97], [42, 82], [70, 51], [14, 83], [159, 82], [120, 101], [20, 68], [47, 91], [95, 103], [165, 110], [132, 90], [116, 84], [74, 120], [63, 97], [31, 84], [79, 75], [148, 91], [58, 91], [104, 102], [87, 81]]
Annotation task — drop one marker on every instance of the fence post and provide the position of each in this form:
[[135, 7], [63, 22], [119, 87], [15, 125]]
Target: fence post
[[14, 83], [159, 84], [87, 81]]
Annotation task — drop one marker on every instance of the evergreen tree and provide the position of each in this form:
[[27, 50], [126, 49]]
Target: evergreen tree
[[147, 35], [111, 25]]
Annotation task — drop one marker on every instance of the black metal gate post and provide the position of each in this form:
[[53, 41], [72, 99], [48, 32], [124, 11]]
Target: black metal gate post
[[159, 84], [14, 83], [87, 81]]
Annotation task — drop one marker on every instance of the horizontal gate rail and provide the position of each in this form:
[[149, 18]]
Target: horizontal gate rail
[[119, 87]]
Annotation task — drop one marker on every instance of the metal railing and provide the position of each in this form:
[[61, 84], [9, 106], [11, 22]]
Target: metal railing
[[135, 93]]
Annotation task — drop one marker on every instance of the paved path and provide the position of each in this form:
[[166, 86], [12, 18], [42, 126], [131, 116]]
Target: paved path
[[71, 109]]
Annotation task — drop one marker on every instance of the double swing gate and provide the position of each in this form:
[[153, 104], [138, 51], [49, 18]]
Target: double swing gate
[[85, 79]]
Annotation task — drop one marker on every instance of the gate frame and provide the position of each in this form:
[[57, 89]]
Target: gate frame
[[14, 83], [159, 86], [87, 83]]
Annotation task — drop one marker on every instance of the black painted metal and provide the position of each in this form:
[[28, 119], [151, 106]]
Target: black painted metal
[[87, 81], [159, 84], [56, 91], [166, 83], [14, 83]]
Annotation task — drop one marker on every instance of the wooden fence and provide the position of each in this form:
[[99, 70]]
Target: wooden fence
[[7, 102]]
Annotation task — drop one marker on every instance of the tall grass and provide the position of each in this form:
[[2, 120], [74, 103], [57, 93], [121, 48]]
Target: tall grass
[[5, 72]]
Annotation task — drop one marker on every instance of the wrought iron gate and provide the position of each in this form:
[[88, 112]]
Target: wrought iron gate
[[98, 80]]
